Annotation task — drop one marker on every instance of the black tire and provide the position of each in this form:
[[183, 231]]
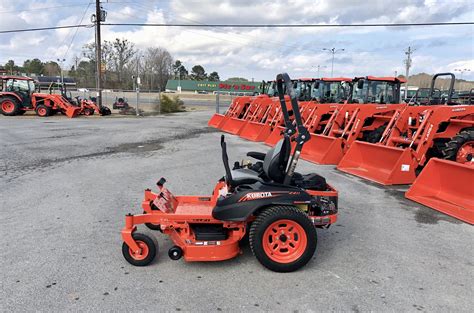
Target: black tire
[[10, 106], [144, 240], [450, 151], [266, 219], [43, 110], [175, 253], [375, 135], [88, 112]]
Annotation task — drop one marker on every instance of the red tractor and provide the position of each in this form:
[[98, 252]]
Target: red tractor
[[18, 95]]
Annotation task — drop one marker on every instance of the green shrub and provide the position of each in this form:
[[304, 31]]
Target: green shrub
[[170, 105]]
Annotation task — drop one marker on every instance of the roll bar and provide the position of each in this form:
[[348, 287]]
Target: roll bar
[[290, 128], [451, 86]]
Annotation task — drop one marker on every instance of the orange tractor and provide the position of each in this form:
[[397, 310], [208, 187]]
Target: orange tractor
[[18, 95], [413, 135], [371, 104], [88, 106], [321, 99]]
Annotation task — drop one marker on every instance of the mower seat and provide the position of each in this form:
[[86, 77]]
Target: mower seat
[[276, 160]]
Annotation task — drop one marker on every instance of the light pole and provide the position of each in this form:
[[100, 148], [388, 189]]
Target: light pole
[[319, 67], [61, 70], [333, 51], [462, 70]]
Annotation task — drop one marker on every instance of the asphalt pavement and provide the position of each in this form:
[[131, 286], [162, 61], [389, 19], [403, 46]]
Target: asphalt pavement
[[66, 185]]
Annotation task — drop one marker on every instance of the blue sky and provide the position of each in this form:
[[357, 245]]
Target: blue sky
[[257, 53]]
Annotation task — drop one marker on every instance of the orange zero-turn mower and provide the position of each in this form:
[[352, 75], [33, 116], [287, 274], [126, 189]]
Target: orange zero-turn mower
[[280, 209], [371, 105], [440, 129]]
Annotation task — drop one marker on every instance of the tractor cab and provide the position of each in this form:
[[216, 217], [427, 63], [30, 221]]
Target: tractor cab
[[23, 87], [331, 90], [302, 88], [379, 90]]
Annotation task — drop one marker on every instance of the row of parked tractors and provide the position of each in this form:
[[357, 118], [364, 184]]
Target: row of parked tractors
[[362, 126], [20, 94]]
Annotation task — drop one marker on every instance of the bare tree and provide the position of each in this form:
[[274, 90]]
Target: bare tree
[[157, 67], [124, 51]]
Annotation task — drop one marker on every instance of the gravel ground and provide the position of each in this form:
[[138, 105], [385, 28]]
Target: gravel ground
[[66, 185]]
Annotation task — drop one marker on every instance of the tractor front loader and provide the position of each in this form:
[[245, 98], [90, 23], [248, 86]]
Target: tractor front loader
[[18, 95], [372, 104], [440, 129]]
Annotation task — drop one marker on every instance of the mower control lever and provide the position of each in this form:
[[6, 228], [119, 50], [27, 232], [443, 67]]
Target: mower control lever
[[161, 182], [257, 155]]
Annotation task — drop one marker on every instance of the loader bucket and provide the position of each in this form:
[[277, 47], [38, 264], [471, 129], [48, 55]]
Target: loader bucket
[[72, 111], [382, 164], [233, 125], [256, 131], [274, 136], [251, 130], [323, 149], [215, 120], [446, 186]]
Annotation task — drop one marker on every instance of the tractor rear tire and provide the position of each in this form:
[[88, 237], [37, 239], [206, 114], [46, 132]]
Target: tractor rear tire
[[148, 246], [283, 238], [461, 147], [43, 110], [375, 135], [9, 106]]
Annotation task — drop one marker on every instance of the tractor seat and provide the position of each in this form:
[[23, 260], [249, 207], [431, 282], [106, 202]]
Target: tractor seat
[[274, 166]]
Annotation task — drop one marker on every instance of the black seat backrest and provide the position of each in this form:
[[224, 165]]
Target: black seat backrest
[[276, 160]]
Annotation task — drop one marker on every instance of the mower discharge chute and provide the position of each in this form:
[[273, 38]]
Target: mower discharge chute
[[371, 105], [283, 207], [409, 140]]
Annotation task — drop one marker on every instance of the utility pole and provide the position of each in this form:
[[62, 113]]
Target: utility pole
[[333, 51], [98, 17], [407, 68]]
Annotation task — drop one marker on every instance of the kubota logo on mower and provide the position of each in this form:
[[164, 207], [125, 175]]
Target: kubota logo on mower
[[256, 195]]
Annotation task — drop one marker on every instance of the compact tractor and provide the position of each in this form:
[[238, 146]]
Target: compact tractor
[[279, 208], [88, 106], [18, 95]]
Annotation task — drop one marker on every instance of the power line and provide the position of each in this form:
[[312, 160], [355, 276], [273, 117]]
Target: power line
[[244, 25], [77, 29], [290, 25], [43, 28]]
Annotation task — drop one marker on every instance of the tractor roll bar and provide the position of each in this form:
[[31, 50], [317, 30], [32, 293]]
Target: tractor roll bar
[[303, 134], [451, 86]]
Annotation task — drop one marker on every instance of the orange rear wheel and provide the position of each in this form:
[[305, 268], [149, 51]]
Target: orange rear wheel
[[465, 153], [283, 238], [284, 241]]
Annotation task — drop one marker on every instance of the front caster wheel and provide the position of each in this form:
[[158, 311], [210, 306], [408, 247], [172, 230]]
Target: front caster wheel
[[175, 253], [147, 253], [283, 238]]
